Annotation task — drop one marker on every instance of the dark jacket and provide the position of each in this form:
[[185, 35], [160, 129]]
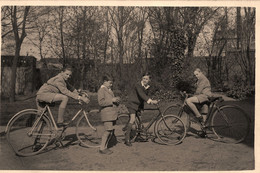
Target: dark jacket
[[137, 96]]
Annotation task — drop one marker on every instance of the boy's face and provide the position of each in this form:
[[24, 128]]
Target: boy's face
[[146, 80], [197, 74], [108, 84], [66, 74]]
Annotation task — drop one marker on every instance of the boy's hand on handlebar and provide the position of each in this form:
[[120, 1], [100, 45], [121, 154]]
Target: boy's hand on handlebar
[[85, 99], [154, 102], [83, 93]]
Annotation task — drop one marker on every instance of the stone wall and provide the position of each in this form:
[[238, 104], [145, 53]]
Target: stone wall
[[25, 75]]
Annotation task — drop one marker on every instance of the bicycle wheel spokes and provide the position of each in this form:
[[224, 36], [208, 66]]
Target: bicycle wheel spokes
[[230, 124], [172, 110], [88, 135], [28, 135], [170, 130], [121, 127]]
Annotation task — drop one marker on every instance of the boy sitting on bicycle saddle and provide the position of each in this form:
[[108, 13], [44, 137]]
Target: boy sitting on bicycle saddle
[[58, 89], [203, 92], [138, 95]]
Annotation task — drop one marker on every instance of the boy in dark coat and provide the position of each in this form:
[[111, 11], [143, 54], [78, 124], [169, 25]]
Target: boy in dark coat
[[136, 99]]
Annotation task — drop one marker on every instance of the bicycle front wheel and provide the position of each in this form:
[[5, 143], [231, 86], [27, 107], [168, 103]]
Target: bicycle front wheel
[[28, 134], [88, 134], [170, 130], [230, 124]]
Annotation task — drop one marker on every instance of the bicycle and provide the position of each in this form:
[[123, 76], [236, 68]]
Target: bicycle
[[229, 123], [30, 131], [169, 129]]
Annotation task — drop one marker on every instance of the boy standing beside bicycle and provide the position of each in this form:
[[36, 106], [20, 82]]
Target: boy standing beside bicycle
[[109, 112], [138, 95]]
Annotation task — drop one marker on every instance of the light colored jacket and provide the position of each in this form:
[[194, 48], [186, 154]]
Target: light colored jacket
[[56, 85], [109, 111], [203, 86]]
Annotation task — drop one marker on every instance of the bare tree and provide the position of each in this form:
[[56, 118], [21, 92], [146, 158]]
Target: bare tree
[[247, 36], [40, 23], [120, 17], [19, 35], [193, 20]]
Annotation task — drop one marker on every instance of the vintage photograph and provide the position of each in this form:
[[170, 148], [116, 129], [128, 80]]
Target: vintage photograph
[[128, 87]]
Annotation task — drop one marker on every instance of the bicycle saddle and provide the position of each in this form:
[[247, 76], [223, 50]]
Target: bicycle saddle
[[213, 98], [43, 104]]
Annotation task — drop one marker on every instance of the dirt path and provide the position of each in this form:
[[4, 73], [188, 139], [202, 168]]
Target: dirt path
[[194, 154]]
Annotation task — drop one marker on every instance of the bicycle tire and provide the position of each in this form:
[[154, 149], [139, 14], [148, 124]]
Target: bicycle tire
[[121, 123], [170, 130], [178, 111], [230, 124], [20, 125], [88, 135], [173, 109]]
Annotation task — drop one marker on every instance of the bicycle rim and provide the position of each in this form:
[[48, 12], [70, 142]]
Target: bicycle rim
[[120, 129], [230, 124], [87, 134], [170, 130], [172, 110], [21, 140], [178, 111]]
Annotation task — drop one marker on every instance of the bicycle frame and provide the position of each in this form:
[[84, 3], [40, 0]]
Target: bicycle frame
[[212, 106], [47, 108], [154, 119], [50, 117]]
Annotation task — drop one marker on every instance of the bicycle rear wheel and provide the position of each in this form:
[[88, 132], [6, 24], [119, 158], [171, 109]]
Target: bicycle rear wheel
[[170, 130], [28, 134], [230, 124], [87, 134], [121, 123]]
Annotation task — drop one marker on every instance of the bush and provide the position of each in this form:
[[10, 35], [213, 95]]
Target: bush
[[184, 86], [241, 92], [166, 95]]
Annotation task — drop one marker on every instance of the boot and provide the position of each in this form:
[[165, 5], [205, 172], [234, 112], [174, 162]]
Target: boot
[[127, 135], [139, 138]]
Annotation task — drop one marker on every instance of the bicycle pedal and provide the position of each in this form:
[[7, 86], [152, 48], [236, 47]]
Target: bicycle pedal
[[37, 147], [202, 134]]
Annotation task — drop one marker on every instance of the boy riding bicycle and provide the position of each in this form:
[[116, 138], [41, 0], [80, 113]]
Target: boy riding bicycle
[[200, 97], [58, 89], [137, 97]]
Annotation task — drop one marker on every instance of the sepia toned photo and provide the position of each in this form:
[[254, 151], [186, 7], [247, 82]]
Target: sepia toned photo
[[128, 86]]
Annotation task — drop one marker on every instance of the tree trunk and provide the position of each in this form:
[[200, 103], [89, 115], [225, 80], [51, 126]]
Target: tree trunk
[[18, 43], [61, 36]]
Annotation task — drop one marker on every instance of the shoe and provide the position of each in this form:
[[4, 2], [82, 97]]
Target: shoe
[[128, 143], [140, 139], [202, 134], [105, 151], [59, 125]]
